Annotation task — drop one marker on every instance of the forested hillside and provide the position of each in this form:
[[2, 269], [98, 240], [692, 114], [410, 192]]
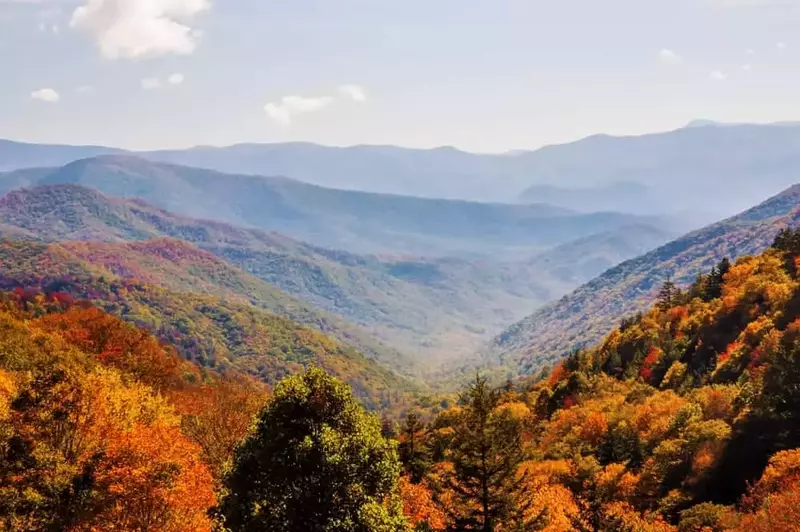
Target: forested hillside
[[442, 307], [222, 332], [684, 418], [584, 316], [103, 428]]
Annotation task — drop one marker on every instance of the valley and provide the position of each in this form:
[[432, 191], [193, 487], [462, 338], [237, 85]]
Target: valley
[[602, 348], [444, 307]]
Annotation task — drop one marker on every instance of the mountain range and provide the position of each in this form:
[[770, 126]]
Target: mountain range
[[336, 219], [736, 164], [445, 306]]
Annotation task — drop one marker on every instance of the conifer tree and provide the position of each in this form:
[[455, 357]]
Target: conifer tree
[[713, 284], [486, 454], [413, 453], [666, 295]]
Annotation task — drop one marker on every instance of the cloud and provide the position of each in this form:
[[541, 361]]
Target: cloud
[[150, 84], [718, 75], [139, 29], [84, 89], [176, 79], [670, 57], [284, 110], [750, 52], [354, 92], [747, 67], [46, 95], [780, 46]]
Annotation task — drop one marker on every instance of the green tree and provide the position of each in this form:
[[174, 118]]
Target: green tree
[[713, 284], [667, 293], [413, 453], [486, 453], [315, 462]]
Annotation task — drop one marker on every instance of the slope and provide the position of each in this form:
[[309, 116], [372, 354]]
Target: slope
[[583, 316], [354, 221], [215, 332], [442, 307]]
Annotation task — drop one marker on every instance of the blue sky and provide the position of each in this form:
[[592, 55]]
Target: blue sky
[[487, 76]]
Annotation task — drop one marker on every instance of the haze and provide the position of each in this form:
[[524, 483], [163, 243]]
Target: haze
[[482, 76]]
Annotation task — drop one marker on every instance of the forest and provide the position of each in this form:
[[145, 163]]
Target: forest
[[684, 418]]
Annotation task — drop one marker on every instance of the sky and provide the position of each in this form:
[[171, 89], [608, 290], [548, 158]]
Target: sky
[[481, 75]]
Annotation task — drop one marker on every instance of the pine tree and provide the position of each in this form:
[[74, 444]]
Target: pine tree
[[316, 462], [666, 295], [413, 453], [486, 454], [713, 284]]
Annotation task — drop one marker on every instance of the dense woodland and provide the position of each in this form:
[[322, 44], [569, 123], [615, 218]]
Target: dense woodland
[[684, 418]]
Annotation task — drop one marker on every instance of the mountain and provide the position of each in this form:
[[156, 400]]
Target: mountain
[[584, 259], [735, 164], [354, 221], [445, 307], [706, 172], [216, 332], [622, 197], [18, 155], [584, 316], [444, 172]]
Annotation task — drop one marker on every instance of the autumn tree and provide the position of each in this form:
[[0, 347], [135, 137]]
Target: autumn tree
[[486, 453], [218, 416], [315, 462]]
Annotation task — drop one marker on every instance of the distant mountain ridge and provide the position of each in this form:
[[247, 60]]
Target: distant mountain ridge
[[336, 219], [735, 163], [584, 316]]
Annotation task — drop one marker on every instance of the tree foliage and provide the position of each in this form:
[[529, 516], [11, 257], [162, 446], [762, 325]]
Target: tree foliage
[[314, 462]]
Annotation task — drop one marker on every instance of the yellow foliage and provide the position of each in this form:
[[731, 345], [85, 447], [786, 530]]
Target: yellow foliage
[[653, 417], [8, 390], [514, 410], [622, 517]]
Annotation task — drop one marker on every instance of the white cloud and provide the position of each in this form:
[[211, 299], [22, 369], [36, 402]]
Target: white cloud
[[176, 79], [354, 92], [750, 52], [780, 46], [46, 95], [149, 84], [284, 111], [747, 67], [718, 75], [669, 56], [84, 89], [140, 28]]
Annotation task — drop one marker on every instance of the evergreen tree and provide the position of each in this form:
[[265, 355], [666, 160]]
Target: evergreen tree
[[315, 462], [486, 453], [713, 284], [413, 453], [667, 293]]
